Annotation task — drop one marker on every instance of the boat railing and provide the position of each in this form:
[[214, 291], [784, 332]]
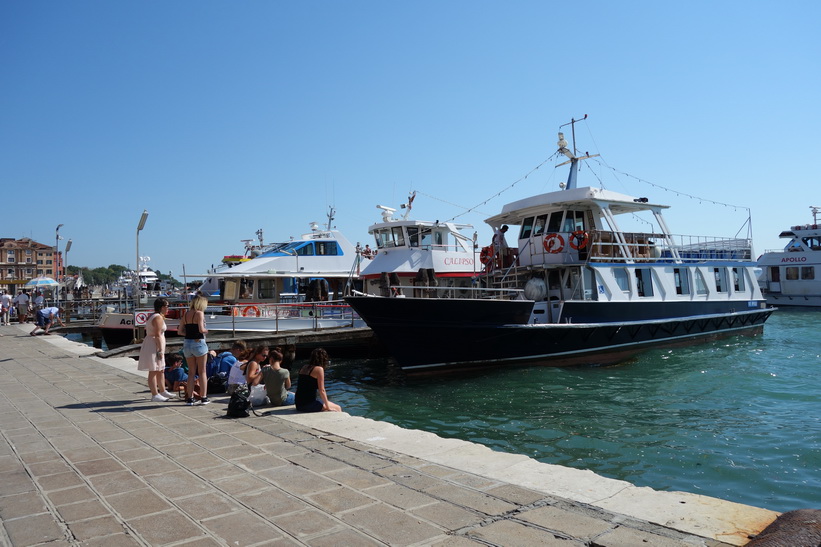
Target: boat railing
[[484, 293], [653, 247]]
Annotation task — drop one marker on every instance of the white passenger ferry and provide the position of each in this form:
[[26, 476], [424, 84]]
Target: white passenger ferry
[[792, 276]]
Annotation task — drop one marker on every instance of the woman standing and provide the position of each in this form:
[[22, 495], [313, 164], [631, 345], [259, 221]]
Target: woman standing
[[311, 380], [195, 350], [152, 358]]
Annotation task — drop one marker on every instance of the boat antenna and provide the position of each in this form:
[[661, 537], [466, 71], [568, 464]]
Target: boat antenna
[[574, 160], [259, 236], [815, 210], [331, 213], [408, 205]]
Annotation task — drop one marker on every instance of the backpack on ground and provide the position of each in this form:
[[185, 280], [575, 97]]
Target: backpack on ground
[[240, 404], [217, 383]]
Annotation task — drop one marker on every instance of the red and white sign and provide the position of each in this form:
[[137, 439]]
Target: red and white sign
[[140, 318]]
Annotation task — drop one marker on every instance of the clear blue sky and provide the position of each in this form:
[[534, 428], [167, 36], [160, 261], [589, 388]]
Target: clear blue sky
[[221, 118]]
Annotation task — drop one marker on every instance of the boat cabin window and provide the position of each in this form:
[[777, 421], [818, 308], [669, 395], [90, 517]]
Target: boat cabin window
[[527, 228], [398, 236], [813, 243], [438, 239], [246, 288], [807, 272], [738, 279], [427, 239], [383, 238], [682, 280], [620, 274], [721, 279], [231, 289], [574, 220], [538, 226], [644, 282], [701, 286], [267, 289], [554, 224], [792, 273], [413, 236], [327, 248]]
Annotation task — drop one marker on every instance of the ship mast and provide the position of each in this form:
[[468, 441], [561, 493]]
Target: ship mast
[[574, 160]]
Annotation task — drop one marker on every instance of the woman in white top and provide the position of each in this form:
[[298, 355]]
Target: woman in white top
[[152, 352]]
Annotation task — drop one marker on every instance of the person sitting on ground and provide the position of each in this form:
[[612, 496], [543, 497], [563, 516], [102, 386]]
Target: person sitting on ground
[[253, 368], [277, 380], [311, 381], [222, 364], [46, 317], [174, 373]]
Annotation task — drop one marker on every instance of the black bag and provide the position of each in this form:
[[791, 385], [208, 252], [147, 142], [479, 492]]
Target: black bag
[[216, 384], [240, 404]]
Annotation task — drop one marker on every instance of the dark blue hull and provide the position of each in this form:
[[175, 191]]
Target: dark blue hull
[[437, 334]]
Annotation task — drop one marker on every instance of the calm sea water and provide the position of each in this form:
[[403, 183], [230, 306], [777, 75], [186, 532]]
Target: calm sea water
[[738, 419]]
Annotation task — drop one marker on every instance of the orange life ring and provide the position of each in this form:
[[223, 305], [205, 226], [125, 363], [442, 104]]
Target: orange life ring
[[486, 255], [549, 246], [579, 239], [248, 309]]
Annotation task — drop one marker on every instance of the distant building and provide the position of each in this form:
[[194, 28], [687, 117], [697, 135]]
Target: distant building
[[24, 259]]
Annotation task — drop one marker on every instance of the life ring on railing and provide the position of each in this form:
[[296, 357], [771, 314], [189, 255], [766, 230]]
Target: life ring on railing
[[250, 309], [579, 239], [553, 243], [486, 255], [234, 311]]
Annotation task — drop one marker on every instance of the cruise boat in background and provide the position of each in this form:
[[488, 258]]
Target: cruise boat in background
[[293, 285], [418, 254], [576, 289], [792, 276]]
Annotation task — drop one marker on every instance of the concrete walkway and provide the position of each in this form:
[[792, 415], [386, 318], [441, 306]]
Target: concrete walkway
[[87, 459]]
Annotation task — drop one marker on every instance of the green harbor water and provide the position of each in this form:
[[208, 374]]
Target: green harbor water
[[738, 419]]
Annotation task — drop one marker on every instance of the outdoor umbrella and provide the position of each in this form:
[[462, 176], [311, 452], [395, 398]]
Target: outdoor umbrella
[[41, 283]]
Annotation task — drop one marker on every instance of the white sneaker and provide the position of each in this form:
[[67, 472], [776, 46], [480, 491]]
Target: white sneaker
[[158, 398], [168, 395]]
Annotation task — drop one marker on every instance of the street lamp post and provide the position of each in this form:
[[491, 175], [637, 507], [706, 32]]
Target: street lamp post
[[57, 261], [65, 262], [140, 226]]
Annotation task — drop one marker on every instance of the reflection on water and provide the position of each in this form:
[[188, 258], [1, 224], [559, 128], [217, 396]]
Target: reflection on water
[[737, 419]]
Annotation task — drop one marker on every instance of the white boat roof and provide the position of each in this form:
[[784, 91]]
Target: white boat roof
[[575, 198], [277, 263]]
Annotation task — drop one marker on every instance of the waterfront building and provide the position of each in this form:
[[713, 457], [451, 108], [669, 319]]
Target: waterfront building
[[21, 260]]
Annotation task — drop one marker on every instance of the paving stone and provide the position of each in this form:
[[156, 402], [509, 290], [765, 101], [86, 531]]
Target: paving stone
[[43, 469], [118, 540], [515, 494], [115, 483], [98, 467], [153, 466], [356, 478], [629, 537], [137, 503], [273, 502], [391, 526], [449, 516], [340, 499], [21, 505], [210, 504], [566, 522], [318, 463], [15, 482], [514, 534], [33, 530], [82, 510], [342, 537], [401, 496], [238, 529], [307, 523], [203, 460], [177, 484], [76, 455], [241, 484], [70, 495], [471, 499], [168, 527], [408, 477], [298, 481], [259, 462]]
